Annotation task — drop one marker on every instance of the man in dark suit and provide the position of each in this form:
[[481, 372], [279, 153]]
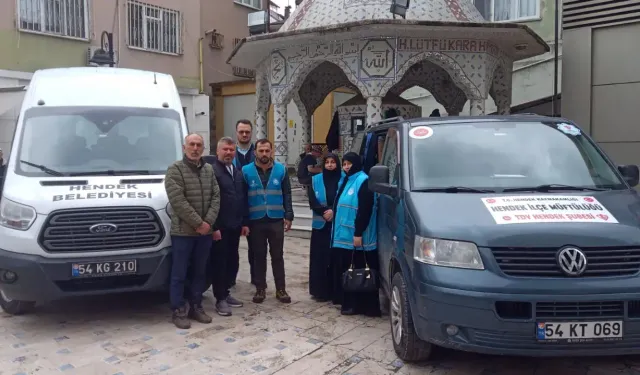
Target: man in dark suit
[[232, 223], [245, 154]]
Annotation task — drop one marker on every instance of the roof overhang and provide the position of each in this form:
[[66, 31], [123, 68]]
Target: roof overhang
[[515, 40]]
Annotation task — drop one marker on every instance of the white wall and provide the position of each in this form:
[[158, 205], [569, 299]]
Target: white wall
[[197, 115]]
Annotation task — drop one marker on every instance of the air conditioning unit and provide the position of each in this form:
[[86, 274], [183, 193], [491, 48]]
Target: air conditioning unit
[[92, 50]]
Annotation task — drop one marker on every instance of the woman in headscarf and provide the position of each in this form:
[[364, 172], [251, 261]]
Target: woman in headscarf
[[355, 233], [322, 194]]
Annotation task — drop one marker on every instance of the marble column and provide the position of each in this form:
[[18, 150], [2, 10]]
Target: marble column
[[305, 131], [280, 144], [374, 109], [261, 124], [477, 107], [452, 112]]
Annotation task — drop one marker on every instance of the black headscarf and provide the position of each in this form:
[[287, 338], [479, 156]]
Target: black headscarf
[[356, 162], [331, 178]]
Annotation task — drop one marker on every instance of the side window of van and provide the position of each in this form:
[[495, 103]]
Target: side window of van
[[390, 155]]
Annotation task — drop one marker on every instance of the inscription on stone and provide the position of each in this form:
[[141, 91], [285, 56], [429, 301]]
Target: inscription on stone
[[376, 59], [447, 45], [324, 51], [278, 69]]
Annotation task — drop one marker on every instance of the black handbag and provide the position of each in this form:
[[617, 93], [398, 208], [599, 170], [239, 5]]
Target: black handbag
[[360, 280]]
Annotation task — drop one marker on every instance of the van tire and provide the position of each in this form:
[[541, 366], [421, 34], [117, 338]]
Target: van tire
[[13, 307], [408, 346]]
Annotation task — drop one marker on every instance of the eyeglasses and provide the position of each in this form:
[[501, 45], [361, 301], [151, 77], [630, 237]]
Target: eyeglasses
[[244, 132]]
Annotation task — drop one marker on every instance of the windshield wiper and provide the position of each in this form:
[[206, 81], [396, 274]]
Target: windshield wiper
[[43, 168], [548, 187], [111, 172], [454, 189]]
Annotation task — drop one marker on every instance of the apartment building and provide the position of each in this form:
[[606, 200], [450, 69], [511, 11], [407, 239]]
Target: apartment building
[[602, 79], [157, 35], [532, 78]]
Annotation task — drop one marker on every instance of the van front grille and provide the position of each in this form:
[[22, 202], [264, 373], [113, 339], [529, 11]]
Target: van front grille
[[541, 262], [69, 230], [565, 310]]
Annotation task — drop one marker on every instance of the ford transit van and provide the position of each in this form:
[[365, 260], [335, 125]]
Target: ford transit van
[[508, 235], [83, 209]]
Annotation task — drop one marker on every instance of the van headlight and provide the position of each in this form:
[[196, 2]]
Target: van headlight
[[169, 210], [15, 215], [447, 253]]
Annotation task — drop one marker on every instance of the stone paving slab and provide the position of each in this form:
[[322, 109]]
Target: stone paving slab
[[132, 335]]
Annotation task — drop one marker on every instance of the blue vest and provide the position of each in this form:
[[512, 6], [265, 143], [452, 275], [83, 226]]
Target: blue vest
[[318, 187], [345, 217], [267, 201]]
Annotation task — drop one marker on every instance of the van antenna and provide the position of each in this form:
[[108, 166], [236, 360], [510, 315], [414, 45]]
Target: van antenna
[[155, 82]]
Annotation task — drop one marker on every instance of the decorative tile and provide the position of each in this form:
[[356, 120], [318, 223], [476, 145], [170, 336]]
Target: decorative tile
[[61, 338], [243, 353], [66, 367], [315, 342], [355, 359], [193, 346], [154, 351], [112, 359], [182, 332], [99, 333], [147, 338], [64, 351], [397, 363], [163, 368], [280, 347], [18, 345], [205, 360], [258, 368], [229, 339], [19, 359]]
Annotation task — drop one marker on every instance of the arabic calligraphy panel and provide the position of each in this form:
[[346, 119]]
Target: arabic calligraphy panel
[[278, 69], [324, 51], [377, 60]]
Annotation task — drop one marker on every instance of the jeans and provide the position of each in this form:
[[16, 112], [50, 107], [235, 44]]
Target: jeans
[[268, 237], [189, 251], [225, 262]]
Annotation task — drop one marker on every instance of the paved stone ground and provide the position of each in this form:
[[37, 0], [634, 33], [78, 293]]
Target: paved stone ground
[[132, 334]]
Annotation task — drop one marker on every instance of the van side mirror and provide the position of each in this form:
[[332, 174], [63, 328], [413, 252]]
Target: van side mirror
[[631, 174], [379, 181]]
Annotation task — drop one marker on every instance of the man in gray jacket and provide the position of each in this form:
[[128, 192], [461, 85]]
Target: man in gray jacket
[[194, 197]]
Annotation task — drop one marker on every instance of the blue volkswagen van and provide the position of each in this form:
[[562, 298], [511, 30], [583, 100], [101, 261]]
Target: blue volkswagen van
[[505, 235]]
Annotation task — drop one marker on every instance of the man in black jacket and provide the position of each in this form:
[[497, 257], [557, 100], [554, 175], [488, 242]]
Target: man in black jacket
[[232, 223], [245, 154]]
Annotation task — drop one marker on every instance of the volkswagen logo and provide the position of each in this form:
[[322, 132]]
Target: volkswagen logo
[[102, 228], [572, 261]]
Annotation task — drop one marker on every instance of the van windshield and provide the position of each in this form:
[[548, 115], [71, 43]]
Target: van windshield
[[507, 155], [70, 141]]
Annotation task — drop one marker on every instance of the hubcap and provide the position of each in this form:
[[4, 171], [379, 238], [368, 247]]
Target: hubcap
[[396, 315], [4, 296]]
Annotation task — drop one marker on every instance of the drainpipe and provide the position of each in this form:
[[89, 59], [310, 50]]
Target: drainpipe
[[555, 60], [200, 62]]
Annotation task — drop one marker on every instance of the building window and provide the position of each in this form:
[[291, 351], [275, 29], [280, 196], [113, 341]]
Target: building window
[[67, 18], [508, 10], [256, 4], [153, 28]]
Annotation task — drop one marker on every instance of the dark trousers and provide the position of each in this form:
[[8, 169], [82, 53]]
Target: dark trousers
[[252, 271], [188, 251], [268, 237], [225, 262]]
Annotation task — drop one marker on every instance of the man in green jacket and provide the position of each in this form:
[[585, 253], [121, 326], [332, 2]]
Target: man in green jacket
[[194, 197]]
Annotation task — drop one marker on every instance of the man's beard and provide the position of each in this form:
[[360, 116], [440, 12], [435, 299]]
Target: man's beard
[[265, 160]]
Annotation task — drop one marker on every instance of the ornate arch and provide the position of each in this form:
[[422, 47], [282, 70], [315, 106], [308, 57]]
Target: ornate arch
[[263, 99], [434, 79], [501, 87], [450, 65], [320, 82], [284, 94]]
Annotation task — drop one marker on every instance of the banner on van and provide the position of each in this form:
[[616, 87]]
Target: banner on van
[[547, 209]]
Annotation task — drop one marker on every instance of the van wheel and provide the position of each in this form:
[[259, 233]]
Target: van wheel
[[406, 342], [14, 307]]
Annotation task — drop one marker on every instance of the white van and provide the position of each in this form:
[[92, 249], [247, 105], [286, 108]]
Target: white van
[[83, 210]]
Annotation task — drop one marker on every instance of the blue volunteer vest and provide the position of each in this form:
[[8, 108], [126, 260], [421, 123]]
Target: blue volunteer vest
[[263, 201], [317, 184], [345, 217]]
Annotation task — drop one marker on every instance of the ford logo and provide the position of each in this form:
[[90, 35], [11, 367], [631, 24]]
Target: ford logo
[[103, 228]]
